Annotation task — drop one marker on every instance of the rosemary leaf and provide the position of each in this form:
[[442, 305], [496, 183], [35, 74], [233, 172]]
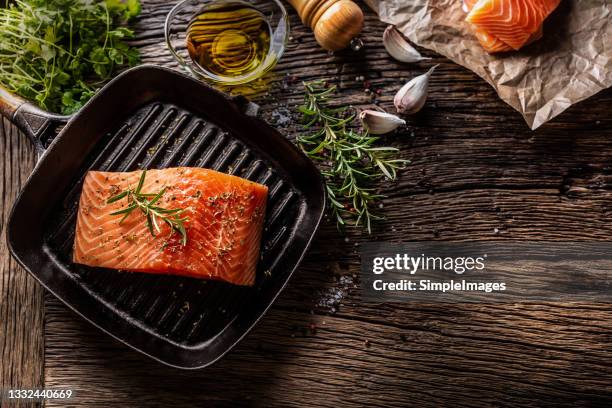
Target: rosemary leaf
[[141, 182], [117, 197], [126, 210], [157, 196]]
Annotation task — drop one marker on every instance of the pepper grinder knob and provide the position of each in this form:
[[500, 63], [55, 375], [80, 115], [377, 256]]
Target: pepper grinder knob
[[335, 22]]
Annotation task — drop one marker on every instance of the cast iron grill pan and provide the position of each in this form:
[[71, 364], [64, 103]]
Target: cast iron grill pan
[[151, 117]]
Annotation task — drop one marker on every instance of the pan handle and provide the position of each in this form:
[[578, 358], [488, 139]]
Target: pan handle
[[30, 119]]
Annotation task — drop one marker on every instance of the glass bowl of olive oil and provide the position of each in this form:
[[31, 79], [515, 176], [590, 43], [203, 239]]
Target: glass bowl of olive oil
[[227, 42]]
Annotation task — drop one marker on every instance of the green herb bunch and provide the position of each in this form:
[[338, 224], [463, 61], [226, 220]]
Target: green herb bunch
[[351, 160], [57, 52]]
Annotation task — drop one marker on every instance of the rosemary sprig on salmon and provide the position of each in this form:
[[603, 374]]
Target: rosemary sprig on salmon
[[146, 203], [225, 223]]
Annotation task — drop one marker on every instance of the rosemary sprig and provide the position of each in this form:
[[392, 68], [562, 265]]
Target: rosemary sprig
[[351, 161], [146, 203]]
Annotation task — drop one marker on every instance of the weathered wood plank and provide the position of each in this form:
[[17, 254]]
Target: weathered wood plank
[[297, 359], [21, 298]]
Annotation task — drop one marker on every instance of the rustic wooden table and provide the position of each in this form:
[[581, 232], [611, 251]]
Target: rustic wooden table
[[477, 172]]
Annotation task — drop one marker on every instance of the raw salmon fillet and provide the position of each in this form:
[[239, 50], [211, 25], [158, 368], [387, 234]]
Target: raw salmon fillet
[[488, 42], [225, 216], [493, 44], [506, 25]]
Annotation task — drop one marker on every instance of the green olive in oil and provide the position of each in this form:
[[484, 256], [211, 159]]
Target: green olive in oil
[[229, 39]]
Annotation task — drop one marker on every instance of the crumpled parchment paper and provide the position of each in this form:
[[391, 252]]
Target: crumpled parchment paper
[[570, 63]]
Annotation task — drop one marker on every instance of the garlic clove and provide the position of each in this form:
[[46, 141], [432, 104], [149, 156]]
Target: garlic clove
[[412, 96], [400, 49], [378, 123]]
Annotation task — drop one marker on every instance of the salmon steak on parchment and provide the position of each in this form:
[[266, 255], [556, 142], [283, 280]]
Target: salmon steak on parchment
[[507, 25]]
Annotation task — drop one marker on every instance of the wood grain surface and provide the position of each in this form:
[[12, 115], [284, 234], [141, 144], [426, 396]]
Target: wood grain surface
[[477, 172], [21, 298]]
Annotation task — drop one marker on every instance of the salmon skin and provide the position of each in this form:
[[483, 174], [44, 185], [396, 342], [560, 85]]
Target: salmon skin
[[225, 216], [507, 25]]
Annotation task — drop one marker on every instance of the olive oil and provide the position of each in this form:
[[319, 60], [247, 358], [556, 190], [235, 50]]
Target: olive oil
[[229, 38]]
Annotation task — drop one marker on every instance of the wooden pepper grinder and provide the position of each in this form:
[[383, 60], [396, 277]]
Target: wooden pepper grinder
[[335, 22]]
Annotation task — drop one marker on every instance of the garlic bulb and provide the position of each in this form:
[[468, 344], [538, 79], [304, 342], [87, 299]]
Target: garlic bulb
[[412, 96], [378, 123], [397, 46]]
